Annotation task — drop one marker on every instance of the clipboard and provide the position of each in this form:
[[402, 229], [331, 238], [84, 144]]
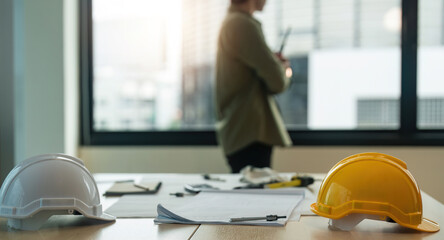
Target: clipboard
[[124, 188]]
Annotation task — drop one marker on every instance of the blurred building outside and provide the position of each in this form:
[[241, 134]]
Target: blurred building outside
[[154, 63]]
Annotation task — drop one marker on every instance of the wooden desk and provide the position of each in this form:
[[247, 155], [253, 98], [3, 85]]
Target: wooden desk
[[309, 227], [315, 227]]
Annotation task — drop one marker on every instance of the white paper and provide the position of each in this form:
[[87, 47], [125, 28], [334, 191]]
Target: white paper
[[145, 206], [304, 207], [217, 207], [141, 206]]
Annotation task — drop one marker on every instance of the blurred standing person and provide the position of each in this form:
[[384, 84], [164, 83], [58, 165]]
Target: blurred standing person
[[248, 74]]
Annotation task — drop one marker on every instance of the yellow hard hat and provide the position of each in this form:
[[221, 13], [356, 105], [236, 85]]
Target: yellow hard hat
[[374, 184]]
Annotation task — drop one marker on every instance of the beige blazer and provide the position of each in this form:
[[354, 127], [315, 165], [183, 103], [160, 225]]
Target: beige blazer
[[247, 76]]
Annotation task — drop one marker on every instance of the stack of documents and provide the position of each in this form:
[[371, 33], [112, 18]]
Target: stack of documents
[[218, 207]]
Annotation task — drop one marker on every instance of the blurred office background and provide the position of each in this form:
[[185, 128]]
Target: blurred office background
[[153, 65]]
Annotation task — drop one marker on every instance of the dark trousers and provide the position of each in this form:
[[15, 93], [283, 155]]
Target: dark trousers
[[256, 154]]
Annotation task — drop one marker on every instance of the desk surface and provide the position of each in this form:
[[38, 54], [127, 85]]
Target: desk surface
[[309, 227]]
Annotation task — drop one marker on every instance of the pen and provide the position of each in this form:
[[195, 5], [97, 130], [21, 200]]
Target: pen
[[180, 194], [141, 186], [284, 40], [124, 181], [208, 177], [268, 218]]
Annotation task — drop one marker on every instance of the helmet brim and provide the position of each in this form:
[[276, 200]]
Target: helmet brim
[[426, 225], [103, 217], [107, 217]]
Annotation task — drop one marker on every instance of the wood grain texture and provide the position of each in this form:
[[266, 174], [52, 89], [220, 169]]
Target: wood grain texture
[[79, 227], [315, 227]]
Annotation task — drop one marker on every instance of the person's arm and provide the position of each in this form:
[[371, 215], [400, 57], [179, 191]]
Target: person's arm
[[245, 41]]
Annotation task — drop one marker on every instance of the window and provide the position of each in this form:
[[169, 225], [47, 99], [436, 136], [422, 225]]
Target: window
[[148, 70]]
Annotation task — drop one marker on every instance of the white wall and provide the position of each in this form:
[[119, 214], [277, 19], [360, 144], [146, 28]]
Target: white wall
[[425, 163], [42, 90], [38, 51], [6, 84]]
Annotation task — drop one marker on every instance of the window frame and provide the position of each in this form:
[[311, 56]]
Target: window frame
[[407, 134]]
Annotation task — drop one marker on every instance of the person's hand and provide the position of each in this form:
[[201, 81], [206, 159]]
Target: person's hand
[[286, 64], [283, 60]]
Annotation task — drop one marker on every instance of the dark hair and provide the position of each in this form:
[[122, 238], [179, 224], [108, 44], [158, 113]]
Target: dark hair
[[238, 1]]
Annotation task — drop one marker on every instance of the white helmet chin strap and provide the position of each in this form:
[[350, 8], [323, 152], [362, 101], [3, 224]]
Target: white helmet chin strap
[[35, 222], [350, 221]]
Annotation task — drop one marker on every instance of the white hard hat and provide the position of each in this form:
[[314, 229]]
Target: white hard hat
[[46, 185]]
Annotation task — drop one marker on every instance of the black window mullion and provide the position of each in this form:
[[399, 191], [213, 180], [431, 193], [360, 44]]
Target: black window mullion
[[409, 50], [86, 71]]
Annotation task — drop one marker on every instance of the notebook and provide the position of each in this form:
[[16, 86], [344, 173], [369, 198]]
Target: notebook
[[123, 188]]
